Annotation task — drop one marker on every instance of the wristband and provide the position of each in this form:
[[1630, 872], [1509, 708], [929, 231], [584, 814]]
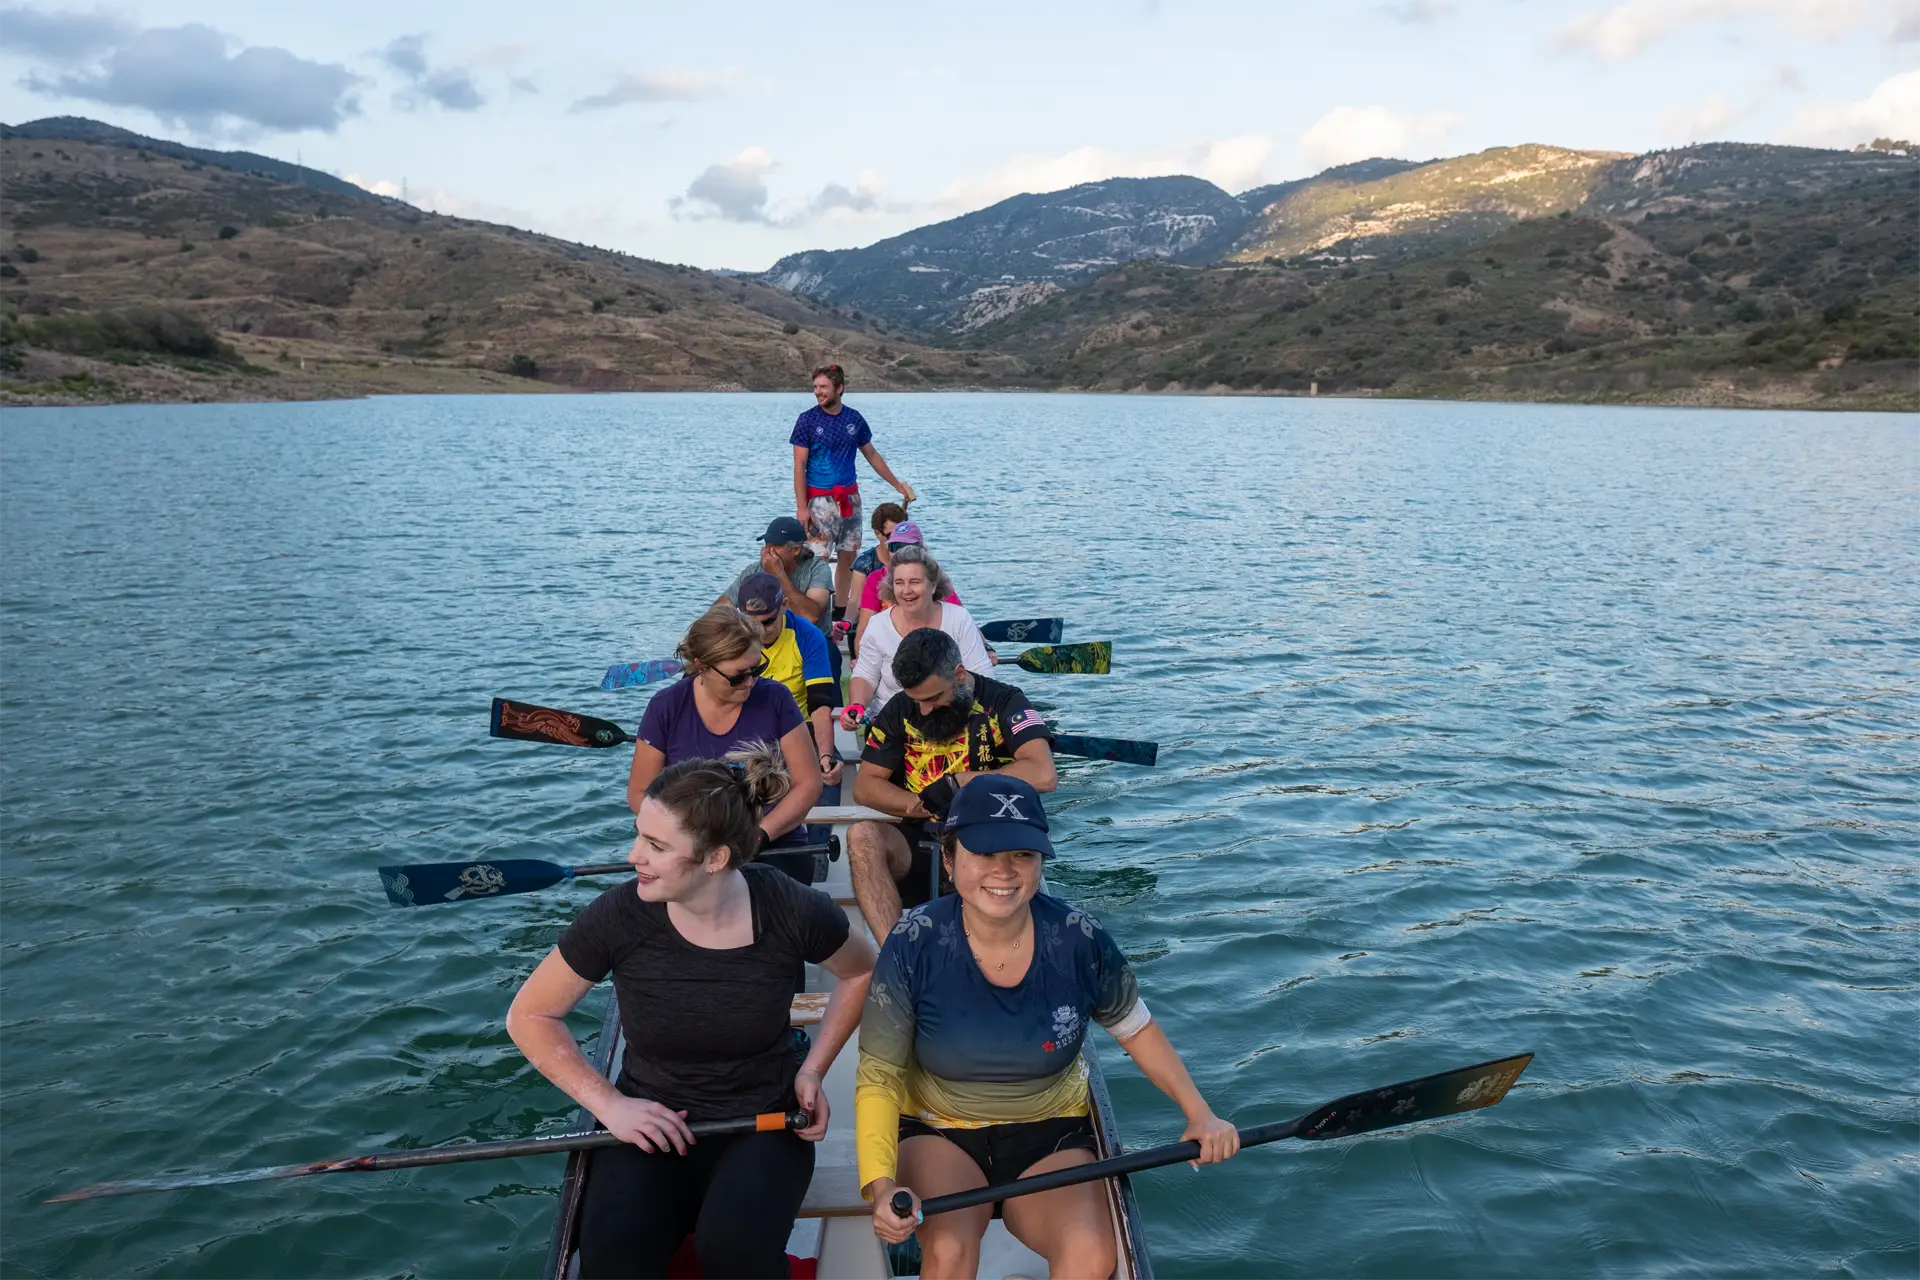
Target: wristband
[[858, 710]]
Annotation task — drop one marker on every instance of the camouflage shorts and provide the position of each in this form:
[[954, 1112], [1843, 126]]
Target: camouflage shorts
[[828, 528]]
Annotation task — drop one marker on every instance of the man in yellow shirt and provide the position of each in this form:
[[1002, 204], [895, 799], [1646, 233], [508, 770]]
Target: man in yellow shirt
[[796, 656]]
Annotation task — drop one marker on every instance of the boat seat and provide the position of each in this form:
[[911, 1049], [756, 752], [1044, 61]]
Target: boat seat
[[844, 813], [808, 1008], [834, 1193]]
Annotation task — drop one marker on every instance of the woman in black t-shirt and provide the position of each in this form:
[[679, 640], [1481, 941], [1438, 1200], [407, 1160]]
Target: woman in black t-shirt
[[702, 948]]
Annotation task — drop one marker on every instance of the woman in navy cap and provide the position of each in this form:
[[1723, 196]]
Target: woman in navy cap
[[970, 1048]]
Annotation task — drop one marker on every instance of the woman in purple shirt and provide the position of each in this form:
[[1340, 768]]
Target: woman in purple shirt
[[723, 704]]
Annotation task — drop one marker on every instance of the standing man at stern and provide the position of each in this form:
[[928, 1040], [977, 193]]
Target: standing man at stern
[[826, 490]]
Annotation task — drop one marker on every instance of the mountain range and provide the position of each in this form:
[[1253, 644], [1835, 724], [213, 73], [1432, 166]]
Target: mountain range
[[968, 271], [1720, 273]]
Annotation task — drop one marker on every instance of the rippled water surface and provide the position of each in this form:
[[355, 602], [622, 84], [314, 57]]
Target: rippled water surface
[[1485, 728]]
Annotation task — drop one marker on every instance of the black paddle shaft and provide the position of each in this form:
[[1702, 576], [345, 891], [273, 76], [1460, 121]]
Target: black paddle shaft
[[1427, 1098], [458, 1154]]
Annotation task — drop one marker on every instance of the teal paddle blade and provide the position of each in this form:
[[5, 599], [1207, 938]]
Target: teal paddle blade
[[1121, 749], [427, 883], [1024, 631], [631, 675], [1095, 658]]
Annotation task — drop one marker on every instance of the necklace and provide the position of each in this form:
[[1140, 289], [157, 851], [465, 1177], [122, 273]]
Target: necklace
[[976, 955]]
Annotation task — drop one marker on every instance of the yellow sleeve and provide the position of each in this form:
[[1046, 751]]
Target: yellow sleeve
[[886, 1052], [878, 1097]]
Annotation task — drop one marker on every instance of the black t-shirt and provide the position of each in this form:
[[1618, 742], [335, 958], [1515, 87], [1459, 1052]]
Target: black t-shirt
[[999, 723], [707, 1030]]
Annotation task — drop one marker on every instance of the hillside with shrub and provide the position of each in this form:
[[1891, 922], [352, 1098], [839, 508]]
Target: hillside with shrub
[[1736, 275], [140, 271]]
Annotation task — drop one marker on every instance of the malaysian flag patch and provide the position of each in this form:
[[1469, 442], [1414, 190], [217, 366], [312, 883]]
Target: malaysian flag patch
[[1026, 720]]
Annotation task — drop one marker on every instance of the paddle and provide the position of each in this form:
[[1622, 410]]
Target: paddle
[[1094, 658], [1024, 631], [460, 1154], [630, 675], [1427, 1098], [426, 883], [1124, 750], [529, 723]]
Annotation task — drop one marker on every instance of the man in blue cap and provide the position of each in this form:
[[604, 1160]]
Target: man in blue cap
[[804, 578], [795, 654]]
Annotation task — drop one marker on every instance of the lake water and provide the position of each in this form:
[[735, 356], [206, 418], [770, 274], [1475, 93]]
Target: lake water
[[1485, 728]]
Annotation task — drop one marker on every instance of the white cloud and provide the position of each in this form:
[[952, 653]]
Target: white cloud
[[733, 190], [653, 86], [1346, 134], [1706, 123], [1624, 30], [1892, 110], [451, 87], [1419, 13], [1906, 23], [183, 75], [1234, 163], [64, 36], [736, 191], [379, 186]]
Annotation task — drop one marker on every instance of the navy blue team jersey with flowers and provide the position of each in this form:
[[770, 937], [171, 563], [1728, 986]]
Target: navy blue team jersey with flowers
[[940, 1043]]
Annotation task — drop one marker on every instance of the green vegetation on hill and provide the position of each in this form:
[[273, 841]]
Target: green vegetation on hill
[[124, 253], [1465, 198], [1804, 298]]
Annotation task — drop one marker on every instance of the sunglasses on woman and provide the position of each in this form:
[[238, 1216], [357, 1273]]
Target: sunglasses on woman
[[739, 678]]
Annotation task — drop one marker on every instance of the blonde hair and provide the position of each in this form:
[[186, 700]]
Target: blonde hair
[[910, 554], [721, 634]]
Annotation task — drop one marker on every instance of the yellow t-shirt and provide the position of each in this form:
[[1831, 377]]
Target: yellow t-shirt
[[798, 659]]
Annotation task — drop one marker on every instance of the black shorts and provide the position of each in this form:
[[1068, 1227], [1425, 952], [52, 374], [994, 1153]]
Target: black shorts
[[922, 847], [1005, 1151]]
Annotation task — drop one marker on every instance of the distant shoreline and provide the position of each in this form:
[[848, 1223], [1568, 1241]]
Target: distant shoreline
[[53, 380]]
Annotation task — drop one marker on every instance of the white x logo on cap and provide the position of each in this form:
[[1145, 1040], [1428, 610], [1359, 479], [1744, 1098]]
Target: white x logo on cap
[[1009, 807]]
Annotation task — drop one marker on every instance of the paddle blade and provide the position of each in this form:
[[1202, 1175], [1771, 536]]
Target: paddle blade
[[1467, 1089], [429, 882], [630, 675], [1121, 749], [1024, 631], [1095, 658], [528, 723]]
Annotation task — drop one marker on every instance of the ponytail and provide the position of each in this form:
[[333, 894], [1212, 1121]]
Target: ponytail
[[719, 802]]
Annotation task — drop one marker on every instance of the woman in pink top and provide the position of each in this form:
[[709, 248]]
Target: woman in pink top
[[906, 534]]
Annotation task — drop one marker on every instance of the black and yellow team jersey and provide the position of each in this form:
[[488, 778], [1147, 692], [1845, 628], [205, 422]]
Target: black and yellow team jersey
[[999, 723]]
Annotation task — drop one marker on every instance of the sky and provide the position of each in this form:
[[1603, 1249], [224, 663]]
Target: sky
[[730, 135]]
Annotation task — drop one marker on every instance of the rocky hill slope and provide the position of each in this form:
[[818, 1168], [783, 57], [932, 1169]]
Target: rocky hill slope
[[157, 271], [956, 275], [1715, 274], [1424, 206]]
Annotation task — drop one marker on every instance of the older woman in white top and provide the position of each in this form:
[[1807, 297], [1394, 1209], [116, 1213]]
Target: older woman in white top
[[912, 592]]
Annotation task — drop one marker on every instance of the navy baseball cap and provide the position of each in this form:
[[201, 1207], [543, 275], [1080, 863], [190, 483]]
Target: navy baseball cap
[[783, 532], [996, 813], [761, 593]]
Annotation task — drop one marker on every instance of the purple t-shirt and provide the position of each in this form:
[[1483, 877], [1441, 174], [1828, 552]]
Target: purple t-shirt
[[672, 726]]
